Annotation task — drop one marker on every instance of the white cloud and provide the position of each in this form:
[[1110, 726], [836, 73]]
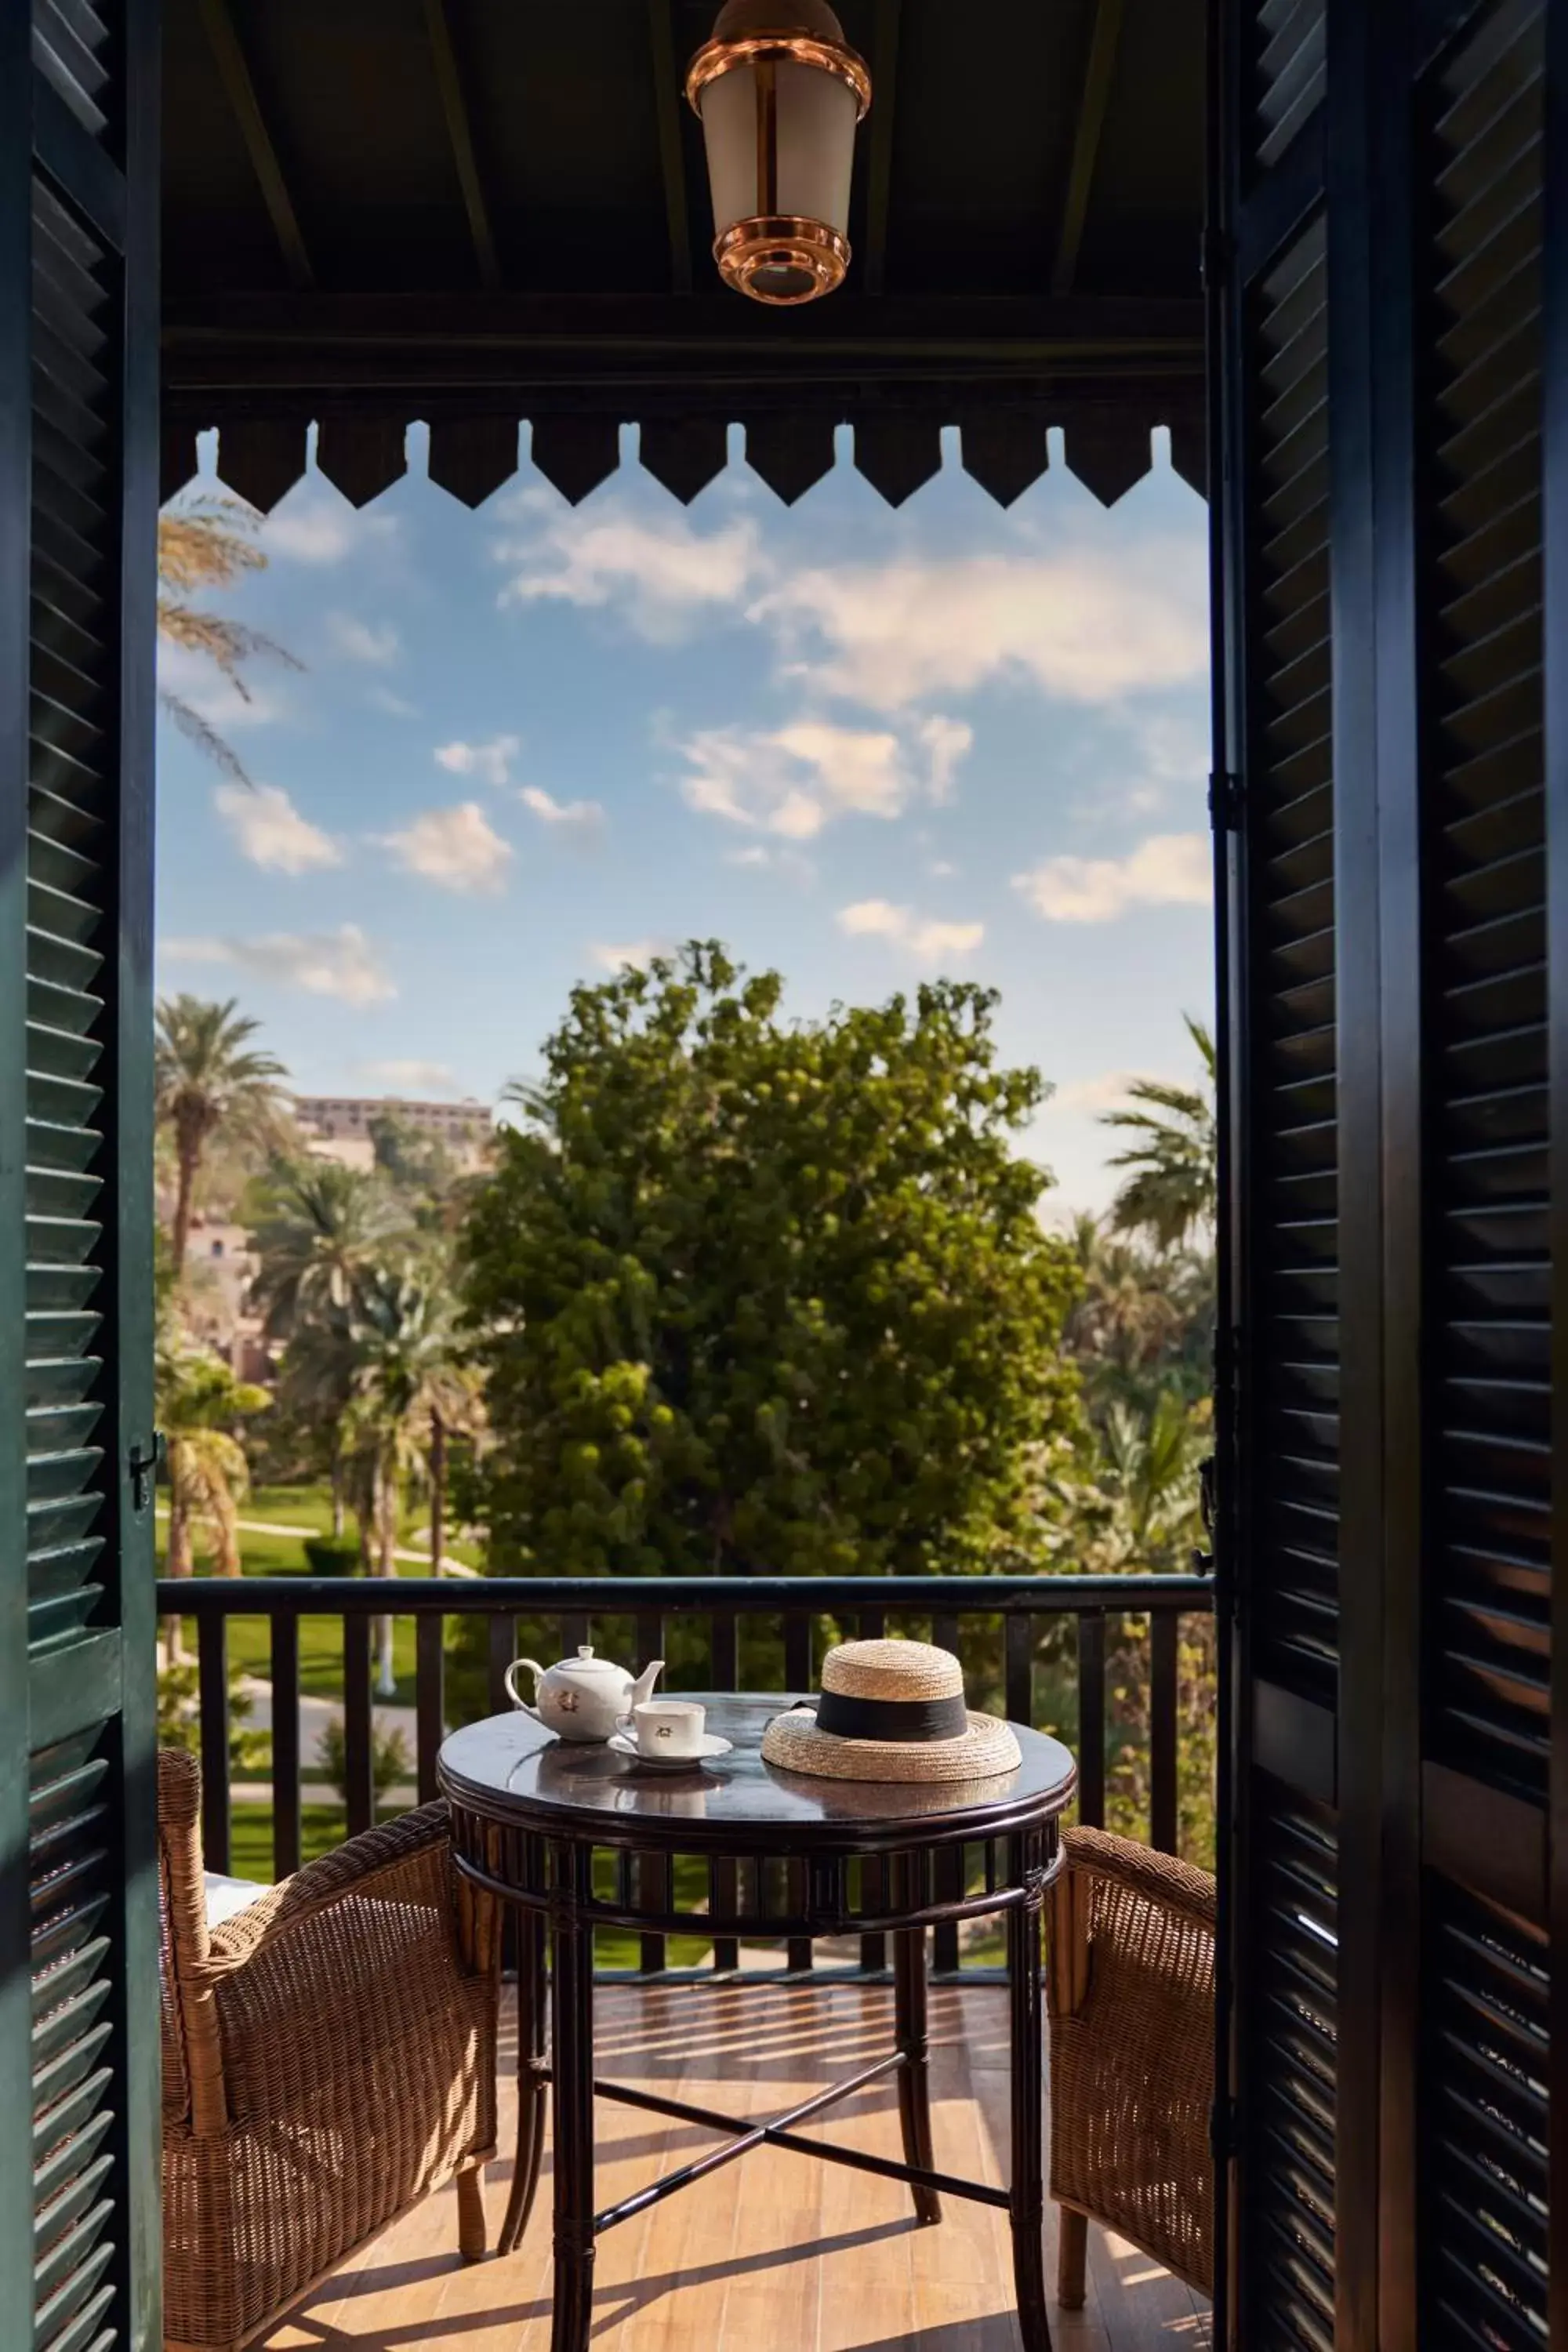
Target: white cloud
[[397, 706], [635, 953], [363, 641], [941, 869], [797, 778], [313, 527], [414, 1078], [947, 741], [922, 936], [1169, 869], [457, 847], [490, 761], [339, 963], [581, 817], [1104, 1092], [1085, 624], [271, 832], [665, 573]]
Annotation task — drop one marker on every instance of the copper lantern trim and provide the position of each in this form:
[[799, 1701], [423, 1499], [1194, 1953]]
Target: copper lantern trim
[[834, 58], [815, 255]]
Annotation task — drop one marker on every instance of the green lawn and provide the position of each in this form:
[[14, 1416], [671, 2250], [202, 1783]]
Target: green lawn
[[308, 1509]]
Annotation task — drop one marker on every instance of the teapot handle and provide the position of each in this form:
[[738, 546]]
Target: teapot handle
[[511, 1690]]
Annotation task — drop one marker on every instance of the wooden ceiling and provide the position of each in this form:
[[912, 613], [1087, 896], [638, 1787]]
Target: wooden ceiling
[[479, 212]]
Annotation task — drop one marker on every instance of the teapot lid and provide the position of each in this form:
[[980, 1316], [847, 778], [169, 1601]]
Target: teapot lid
[[585, 1663]]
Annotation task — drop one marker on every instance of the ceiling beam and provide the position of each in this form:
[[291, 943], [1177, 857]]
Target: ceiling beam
[[324, 345], [241, 91], [669, 101], [1099, 75], [460, 131], [879, 169]]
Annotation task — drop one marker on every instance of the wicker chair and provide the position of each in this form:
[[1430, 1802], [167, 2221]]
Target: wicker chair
[[1130, 1987], [329, 2056]]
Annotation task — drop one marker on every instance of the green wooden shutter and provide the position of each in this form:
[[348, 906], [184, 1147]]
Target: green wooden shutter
[[1396, 1892], [1281, 1450], [1486, 1744], [78, 2017]]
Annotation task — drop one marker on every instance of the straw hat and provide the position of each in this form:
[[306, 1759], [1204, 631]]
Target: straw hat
[[890, 1711]]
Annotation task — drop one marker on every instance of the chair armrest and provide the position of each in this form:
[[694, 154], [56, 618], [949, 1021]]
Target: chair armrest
[[368, 1863], [1171, 1888], [1159, 1878]]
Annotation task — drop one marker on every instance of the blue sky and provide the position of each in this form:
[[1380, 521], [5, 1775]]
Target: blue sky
[[862, 745]]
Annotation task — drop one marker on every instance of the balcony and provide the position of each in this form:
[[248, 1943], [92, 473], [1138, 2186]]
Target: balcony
[[769, 2251]]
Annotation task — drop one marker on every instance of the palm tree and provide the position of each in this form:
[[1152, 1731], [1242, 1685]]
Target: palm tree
[[326, 1228], [200, 1405], [1170, 1192], [209, 543], [208, 1075], [409, 1381]]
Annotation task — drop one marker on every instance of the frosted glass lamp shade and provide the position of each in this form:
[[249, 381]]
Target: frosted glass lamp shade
[[779, 107]]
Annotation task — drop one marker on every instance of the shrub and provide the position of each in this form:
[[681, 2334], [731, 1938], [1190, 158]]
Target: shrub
[[333, 1554], [389, 1760]]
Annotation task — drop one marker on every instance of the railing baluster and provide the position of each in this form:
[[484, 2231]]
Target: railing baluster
[[1091, 1719], [723, 1900], [798, 1680], [723, 1878], [285, 1667], [948, 1859], [797, 1652], [873, 1623], [429, 1699], [500, 1650], [359, 1772], [798, 1948], [1018, 1649], [1163, 1629], [873, 1898], [655, 1876], [574, 1632], [649, 1636], [212, 1688]]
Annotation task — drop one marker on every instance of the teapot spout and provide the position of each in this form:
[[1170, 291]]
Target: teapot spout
[[643, 1688]]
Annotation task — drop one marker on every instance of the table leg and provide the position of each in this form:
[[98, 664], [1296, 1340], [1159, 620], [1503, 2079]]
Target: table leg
[[914, 2091], [1028, 2194], [572, 2089], [531, 1998]]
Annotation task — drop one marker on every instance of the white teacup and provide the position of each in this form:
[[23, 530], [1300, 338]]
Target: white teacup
[[664, 1727]]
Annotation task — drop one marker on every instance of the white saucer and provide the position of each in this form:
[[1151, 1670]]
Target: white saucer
[[624, 1745]]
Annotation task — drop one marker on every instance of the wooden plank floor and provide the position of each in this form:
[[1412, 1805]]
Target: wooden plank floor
[[772, 2250]]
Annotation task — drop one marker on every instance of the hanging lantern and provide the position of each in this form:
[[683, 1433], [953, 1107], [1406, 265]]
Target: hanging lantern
[[779, 91]]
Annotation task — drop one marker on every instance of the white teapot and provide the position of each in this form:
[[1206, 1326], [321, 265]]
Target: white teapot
[[583, 1697]]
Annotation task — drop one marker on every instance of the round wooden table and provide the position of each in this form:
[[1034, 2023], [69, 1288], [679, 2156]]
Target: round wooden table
[[788, 1856]]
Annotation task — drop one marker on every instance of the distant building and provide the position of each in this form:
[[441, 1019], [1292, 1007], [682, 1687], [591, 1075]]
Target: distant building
[[338, 1127], [220, 1266]]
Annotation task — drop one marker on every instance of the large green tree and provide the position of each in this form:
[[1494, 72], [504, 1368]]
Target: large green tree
[[761, 1295]]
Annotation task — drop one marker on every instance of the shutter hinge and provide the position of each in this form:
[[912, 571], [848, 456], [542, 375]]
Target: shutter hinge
[[1224, 801], [1203, 1554], [144, 1468], [1223, 2131]]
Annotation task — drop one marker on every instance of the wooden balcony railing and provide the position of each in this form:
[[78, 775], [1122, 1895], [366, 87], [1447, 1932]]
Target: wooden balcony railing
[[997, 1625]]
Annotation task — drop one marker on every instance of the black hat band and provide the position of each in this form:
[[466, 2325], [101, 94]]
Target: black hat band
[[898, 1720]]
